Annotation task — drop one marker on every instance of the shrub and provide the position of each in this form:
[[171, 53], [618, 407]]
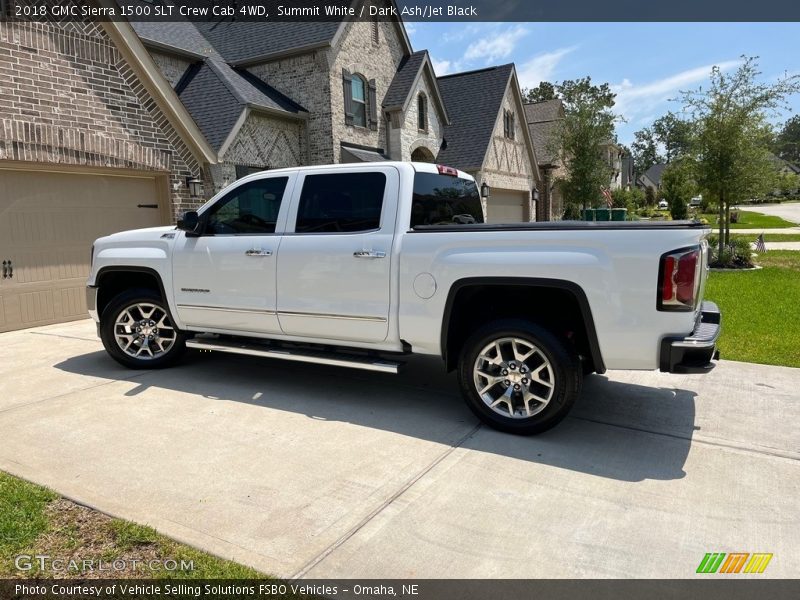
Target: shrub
[[736, 255]]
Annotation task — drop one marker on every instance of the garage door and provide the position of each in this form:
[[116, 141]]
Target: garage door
[[506, 206], [48, 221]]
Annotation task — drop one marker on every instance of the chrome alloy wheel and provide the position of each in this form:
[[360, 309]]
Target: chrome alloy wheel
[[144, 331], [514, 378]]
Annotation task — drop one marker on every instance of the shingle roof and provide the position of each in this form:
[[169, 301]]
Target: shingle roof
[[406, 74], [548, 110], [473, 101], [654, 173], [211, 103], [364, 155], [543, 121], [214, 93], [240, 41]]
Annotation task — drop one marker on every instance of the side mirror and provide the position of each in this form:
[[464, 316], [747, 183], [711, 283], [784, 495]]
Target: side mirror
[[190, 222]]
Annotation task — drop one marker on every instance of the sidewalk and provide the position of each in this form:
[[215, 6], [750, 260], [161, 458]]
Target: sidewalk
[[762, 230]]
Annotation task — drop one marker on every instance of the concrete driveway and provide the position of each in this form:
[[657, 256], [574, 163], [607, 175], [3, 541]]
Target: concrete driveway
[[338, 473], [790, 211]]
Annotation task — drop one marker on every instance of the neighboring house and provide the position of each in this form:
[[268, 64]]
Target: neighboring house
[[613, 156], [544, 119], [489, 139], [105, 126], [628, 175], [652, 178]]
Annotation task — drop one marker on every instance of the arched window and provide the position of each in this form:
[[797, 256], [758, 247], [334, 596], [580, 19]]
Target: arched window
[[422, 112], [359, 87]]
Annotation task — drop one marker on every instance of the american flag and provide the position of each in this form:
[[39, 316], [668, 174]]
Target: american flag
[[607, 195], [760, 245]]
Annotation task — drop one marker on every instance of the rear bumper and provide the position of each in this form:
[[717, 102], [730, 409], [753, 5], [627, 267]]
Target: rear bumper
[[695, 352]]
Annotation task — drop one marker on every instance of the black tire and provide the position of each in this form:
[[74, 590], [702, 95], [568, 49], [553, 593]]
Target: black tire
[[565, 367], [115, 308]]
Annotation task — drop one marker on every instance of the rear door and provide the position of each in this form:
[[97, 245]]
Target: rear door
[[334, 263]]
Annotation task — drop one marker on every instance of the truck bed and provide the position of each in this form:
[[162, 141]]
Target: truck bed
[[562, 226]]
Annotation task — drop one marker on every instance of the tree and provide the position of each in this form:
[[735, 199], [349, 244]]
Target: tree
[[645, 150], [649, 196], [677, 187], [787, 142], [587, 127], [544, 91], [732, 160], [674, 134]]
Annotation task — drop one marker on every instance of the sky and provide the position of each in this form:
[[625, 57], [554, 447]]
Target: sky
[[646, 64]]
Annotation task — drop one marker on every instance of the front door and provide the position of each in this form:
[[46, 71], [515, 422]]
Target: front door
[[224, 279], [335, 260]]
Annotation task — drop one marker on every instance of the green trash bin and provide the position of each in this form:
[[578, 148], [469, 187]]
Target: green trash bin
[[588, 214], [602, 214], [619, 214]]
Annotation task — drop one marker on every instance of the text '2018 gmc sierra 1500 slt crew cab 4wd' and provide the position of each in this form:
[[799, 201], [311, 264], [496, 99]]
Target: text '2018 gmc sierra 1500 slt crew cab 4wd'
[[357, 265]]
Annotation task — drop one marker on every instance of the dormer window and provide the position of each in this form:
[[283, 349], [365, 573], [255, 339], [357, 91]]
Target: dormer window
[[422, 112], [508, 125]]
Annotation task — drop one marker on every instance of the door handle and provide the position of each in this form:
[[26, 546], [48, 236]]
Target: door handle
[[258, 252], [8, 269], [369, 254]]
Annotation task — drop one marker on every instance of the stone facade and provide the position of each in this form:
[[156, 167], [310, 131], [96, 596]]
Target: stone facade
[[172, 67], [306, 80], [263, 142], [410, 136], [507, 165], [361, 55], [68, 97]]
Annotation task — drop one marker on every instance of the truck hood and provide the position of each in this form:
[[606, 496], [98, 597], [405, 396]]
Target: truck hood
[[147, 234]]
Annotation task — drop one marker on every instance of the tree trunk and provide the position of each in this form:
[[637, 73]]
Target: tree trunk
[[727, 223], [721, 244]]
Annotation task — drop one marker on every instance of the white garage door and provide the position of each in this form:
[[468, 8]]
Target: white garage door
[[48, 221], [506, 206]]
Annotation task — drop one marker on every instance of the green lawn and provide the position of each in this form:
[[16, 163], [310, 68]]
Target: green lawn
[[770, 237], [760, 318], [751, 220], [36, 521]]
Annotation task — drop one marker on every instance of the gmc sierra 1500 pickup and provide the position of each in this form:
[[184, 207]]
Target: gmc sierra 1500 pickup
[[358, 265]]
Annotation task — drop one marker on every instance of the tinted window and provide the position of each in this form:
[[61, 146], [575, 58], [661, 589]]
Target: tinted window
[[342, 202], [250, 208], [443, 200]]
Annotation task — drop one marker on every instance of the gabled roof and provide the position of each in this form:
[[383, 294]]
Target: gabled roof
[[654, 173], [544, 119], [547, 110], [215, 95], [473, 101], [411, 68]]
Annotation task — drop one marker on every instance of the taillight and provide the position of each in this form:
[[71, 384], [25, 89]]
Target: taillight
[[679, 279], [443, 170]]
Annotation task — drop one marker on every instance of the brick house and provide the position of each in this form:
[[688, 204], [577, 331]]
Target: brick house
[[106, 126]]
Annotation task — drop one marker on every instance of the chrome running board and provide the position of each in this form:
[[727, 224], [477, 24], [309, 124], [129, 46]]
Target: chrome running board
[[365, 363]]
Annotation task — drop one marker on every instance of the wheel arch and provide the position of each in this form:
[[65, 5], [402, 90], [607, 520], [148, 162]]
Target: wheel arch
[[453, 337], [114, 279]]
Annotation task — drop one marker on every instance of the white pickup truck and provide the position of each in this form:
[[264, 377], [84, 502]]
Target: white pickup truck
[[358, 265]]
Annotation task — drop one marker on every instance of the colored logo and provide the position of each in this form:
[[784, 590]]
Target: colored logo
[[734, 562]]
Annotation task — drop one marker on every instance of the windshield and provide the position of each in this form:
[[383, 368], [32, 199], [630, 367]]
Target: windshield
[[444, 200]]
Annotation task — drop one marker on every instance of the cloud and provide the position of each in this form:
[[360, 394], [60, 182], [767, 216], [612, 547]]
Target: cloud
[[441, 67], [634, 100], [495, 46], [541, 67]]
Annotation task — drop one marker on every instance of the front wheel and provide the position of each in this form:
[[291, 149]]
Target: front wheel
[[518, 377], [138, 333]]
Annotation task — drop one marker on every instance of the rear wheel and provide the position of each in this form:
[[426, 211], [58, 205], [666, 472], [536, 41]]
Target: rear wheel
[[138, 333], [518, 377]]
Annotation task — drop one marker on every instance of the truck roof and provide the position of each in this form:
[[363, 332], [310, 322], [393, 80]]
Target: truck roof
[[419, 167]]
